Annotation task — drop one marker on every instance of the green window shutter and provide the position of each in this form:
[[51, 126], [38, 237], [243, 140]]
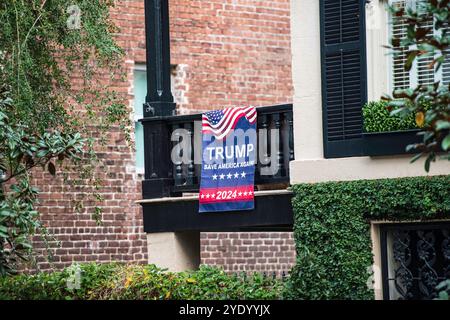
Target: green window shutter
[[344, 83]]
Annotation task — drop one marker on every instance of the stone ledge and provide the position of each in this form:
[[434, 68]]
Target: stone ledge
[[195, 197]]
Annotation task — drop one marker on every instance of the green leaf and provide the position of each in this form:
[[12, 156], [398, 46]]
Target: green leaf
[[410, 59], [51, 168], [427, 164], [446, 143], [441, 125], [410, 147], [443, 295], [6, 213], [416, 157]]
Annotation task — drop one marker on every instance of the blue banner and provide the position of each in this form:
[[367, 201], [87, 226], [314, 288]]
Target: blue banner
[[228, 160]]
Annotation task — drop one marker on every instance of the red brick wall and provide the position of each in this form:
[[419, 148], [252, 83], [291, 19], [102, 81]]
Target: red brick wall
[[231, 52], [249, 251], [237, 51]]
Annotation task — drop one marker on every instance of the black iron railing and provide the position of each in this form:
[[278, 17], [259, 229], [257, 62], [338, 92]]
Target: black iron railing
[[164, 177]]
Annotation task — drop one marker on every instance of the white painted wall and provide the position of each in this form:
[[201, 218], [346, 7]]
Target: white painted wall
[[305, 37], [310, 164]]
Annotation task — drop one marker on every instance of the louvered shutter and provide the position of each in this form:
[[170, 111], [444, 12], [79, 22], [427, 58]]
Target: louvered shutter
[[425, 74], [446, 65], [400, 77], [446, 69], [420, 73], [344, 89]]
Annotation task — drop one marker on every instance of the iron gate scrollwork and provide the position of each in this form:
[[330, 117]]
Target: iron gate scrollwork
[[415, 258]]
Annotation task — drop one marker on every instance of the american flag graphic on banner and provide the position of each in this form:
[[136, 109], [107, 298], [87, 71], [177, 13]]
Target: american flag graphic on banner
[[228, 160], [220, 122]]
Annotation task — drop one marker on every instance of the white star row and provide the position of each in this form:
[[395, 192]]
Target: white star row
[[235, 195], [229, 175]]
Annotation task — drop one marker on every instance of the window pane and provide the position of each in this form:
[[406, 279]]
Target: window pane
[[425, 73], [140, 88], [420, 73], [139, 134], [446, 70]]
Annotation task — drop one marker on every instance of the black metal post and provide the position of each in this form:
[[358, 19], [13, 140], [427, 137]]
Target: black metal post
[[158, 165], [158, 102], [384, 263], [159, 99]]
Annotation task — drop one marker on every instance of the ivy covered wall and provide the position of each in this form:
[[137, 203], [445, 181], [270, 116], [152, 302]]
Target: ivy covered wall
[[332, 230]]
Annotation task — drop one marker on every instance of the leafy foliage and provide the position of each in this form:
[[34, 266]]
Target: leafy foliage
[[56, 103], [332, 230], [377, 116], [138, 282], [41, 55], [421, 41], [20, 151], [444, 290]]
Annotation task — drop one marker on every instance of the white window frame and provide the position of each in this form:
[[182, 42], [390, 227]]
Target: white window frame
[[414, 72], [142, 67], [136, 117], [379, 59]]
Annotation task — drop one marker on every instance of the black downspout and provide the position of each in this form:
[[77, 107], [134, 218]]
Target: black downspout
[[158, 102], [159, 99]]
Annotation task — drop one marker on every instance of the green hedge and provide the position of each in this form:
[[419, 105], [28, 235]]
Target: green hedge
[[377, 118], [332, 230], [138, 282]]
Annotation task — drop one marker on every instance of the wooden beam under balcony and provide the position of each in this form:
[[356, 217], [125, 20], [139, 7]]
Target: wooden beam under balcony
[[273, 211]]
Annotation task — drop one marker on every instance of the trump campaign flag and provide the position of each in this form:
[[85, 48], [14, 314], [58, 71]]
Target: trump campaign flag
[[228, 160]]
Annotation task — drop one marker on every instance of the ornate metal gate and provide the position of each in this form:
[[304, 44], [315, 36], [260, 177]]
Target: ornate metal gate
[[415, 258]]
